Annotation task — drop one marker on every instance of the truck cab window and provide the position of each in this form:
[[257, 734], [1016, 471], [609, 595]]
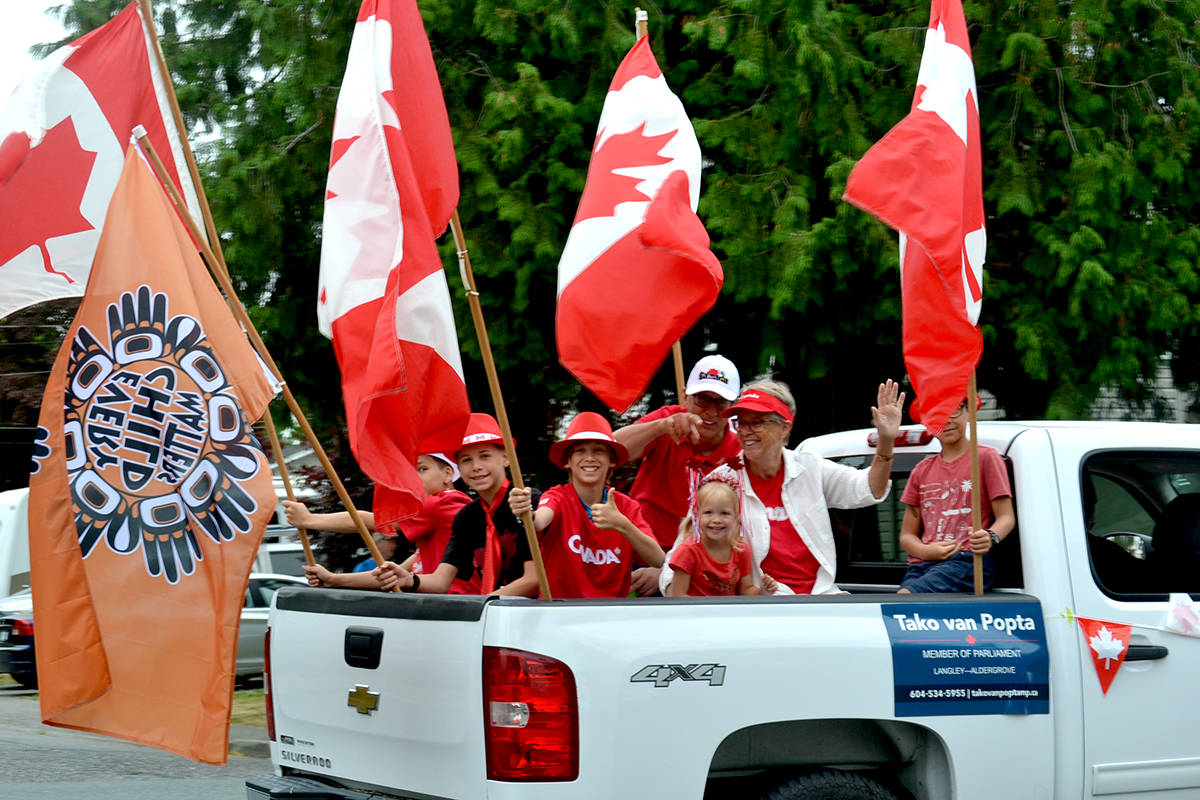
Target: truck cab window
[[1142, 515]]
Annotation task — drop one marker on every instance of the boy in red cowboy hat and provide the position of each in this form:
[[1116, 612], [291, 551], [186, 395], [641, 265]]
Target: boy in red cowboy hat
[[488, 547], [591, 534]]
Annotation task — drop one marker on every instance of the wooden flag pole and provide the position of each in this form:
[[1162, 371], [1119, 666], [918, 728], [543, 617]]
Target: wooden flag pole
[[642, 28], [489, 366], [239, 311], [680, 384], [219, 262], [976, 513], [277, 449]]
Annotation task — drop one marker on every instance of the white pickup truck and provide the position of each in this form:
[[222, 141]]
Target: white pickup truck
[[861, 695]]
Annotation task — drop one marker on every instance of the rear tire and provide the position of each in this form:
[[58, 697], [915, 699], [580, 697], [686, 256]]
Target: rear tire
[[830, 784], [28, 680]]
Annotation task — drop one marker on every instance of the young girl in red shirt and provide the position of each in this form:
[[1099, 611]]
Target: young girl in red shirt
[[710, 559]]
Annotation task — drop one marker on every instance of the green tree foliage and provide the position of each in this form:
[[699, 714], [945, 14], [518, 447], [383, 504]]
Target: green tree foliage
[[1093, 243], [1089, 118]]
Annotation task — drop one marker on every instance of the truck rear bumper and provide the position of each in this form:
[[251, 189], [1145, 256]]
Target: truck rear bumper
[[294, 787], [273, 787]]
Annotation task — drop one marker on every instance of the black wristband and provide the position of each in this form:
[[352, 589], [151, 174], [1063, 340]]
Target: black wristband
[[416, 584]]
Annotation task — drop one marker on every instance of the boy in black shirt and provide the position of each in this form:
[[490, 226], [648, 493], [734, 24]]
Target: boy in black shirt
[[488, 546]]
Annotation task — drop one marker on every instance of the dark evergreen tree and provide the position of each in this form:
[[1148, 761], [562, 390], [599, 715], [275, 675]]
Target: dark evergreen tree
[[1089, 116]]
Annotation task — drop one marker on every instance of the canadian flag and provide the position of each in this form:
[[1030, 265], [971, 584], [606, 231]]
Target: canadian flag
[[924, 178], [1108, 642], [63, 134], [636, 272], [384, 300]]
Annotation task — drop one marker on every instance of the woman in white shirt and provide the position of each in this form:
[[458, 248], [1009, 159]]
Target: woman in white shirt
[[788, 494]]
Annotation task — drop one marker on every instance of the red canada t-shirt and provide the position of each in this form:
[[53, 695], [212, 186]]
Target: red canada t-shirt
[[942, 491], [430, 529], [662, 484], [711, 578], [788, 560], [581, 559]]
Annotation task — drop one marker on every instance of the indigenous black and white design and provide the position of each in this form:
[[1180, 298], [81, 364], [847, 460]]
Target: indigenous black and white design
[[157, 447]]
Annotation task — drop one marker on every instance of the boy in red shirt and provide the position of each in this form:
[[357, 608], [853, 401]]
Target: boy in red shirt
[[591, 534], [430, 530], [936, 532]]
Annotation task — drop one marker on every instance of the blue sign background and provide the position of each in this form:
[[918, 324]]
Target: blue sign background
[[968, 658]]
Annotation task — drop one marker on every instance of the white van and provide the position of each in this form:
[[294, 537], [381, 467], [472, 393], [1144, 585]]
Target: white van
[[14, 540]]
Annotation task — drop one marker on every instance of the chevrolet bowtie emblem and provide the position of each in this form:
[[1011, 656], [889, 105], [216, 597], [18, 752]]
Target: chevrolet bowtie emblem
[[362, 699]]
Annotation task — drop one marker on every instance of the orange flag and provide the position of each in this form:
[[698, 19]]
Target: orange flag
[[149, 493]]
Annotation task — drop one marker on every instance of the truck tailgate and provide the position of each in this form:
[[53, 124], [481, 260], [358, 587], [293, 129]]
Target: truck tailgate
[[380, 689]]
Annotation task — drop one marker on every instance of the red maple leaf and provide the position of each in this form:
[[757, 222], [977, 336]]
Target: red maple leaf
[[605, 189], [340, 146], [970, 638], [41, 198]]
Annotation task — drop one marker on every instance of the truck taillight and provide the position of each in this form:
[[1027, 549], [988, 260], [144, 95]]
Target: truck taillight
[[267, 685], [530, 717]]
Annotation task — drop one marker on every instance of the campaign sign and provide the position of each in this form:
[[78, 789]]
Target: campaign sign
[[968, 658]]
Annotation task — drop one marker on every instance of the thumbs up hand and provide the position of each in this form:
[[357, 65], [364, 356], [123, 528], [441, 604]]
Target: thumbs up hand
[[606, 516]]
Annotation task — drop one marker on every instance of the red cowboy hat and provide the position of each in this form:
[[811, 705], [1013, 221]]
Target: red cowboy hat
[[588, 426], [481, 429]]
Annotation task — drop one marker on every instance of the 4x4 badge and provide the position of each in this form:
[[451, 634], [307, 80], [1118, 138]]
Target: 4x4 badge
[[662, 674], [362, 699]]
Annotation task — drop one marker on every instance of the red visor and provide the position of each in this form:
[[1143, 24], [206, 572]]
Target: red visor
[[754, 400]]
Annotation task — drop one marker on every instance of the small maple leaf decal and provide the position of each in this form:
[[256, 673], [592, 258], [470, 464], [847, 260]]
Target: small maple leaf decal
[[971, 638], [1106, 646], [605, 189], [42, 196]]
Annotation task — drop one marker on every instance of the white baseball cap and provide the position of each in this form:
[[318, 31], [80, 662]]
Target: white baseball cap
[[445, 459], [715, 374]]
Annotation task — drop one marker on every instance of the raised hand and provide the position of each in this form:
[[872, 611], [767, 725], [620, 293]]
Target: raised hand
[[888, 411]]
